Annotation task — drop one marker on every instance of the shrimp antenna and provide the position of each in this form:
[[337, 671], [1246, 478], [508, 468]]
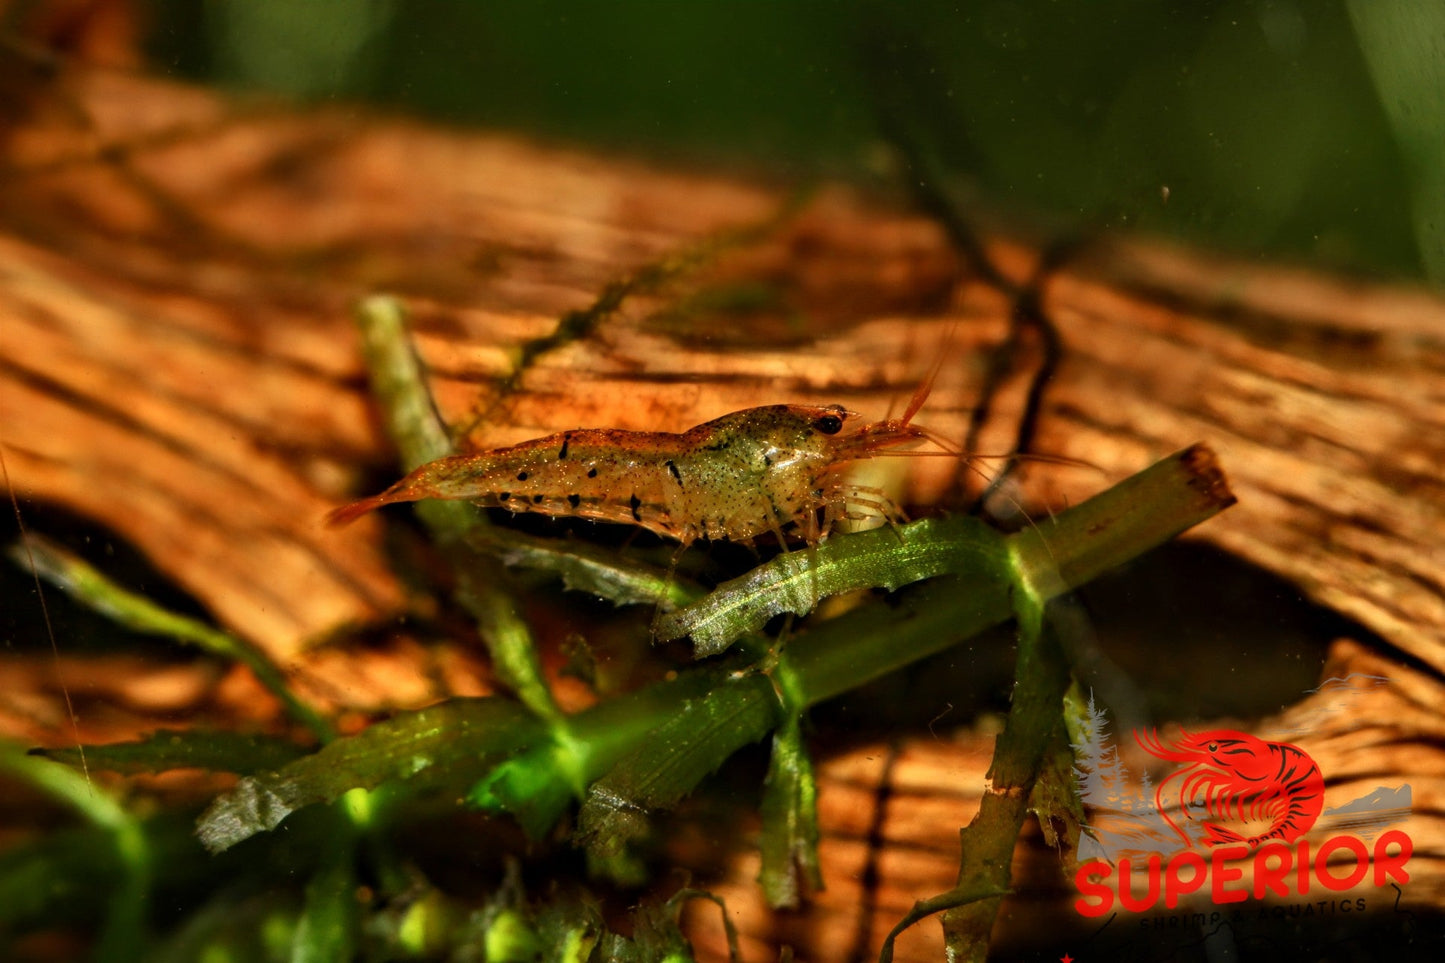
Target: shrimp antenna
[[968, 461], [26, 546], [923, 391], [949, 450]]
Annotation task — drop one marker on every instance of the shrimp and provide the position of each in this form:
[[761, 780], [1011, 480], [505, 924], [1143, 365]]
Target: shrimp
[[753, 471], [1241, 777]]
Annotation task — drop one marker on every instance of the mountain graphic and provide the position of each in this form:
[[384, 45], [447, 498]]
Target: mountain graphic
[[1368, 815]]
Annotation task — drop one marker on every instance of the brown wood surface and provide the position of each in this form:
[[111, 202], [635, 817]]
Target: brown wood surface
[[178, 364]]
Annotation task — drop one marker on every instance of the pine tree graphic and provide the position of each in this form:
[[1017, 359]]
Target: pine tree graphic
[[1122, 817], [1101, 778]]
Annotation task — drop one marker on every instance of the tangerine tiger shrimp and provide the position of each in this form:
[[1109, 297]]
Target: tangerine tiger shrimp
[[758, 470]]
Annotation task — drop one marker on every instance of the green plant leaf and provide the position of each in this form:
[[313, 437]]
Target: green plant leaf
[[789, 841], [794, 582], [87, 585], [167, 749], [672, 757], [452, 740]]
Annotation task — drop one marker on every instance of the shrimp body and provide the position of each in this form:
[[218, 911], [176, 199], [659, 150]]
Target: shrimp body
[[753, 471]]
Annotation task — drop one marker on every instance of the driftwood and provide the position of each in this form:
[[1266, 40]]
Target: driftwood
[[178, 364]]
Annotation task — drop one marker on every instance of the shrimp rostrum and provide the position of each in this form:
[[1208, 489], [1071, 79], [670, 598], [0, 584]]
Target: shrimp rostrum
[[767, 469]]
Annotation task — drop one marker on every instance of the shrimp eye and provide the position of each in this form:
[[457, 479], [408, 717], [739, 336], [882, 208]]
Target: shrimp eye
[[1214, 747], [829, 424]]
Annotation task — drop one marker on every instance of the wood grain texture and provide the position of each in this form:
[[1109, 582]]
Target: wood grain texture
[[177, 363]]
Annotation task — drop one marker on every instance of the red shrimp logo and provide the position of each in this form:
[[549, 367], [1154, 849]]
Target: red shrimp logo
[[1240, 782], [1235, 818]]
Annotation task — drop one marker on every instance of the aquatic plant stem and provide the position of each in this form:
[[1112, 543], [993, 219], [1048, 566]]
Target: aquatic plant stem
[[1139, 513], [732, 704], [421, 436]]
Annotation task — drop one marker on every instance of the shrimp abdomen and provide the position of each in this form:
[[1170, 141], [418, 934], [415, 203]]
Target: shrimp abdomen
[[599, 474]]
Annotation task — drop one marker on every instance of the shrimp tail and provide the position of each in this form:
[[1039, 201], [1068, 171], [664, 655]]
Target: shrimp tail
[[443, 478], [406, 490], [346, 514]]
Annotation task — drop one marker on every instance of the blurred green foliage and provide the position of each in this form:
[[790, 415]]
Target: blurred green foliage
[[1279, 128]]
